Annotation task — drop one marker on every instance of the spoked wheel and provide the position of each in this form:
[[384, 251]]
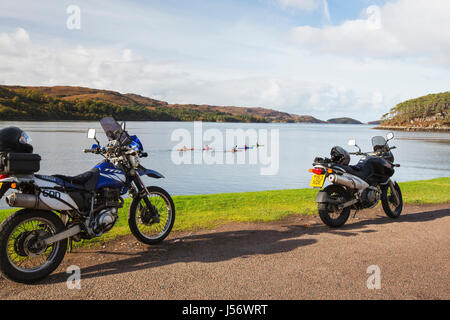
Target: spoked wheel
[[392, 204], [329, 213], [153, 224], [23, 257]]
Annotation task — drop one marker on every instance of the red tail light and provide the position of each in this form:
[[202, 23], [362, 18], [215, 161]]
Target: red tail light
[[3, 176], [317, 171]]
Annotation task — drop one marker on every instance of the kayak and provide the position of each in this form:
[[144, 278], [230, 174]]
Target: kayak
[[185, 149], [246, 148]]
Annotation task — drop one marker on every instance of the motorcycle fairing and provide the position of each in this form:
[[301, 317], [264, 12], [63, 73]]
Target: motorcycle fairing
[[150, 173], [136, 144], [371, 169], [110, 176], [52, 196]]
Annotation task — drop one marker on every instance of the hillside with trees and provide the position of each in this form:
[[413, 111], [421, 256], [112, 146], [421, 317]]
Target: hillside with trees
[[429, 112], [77, 103]]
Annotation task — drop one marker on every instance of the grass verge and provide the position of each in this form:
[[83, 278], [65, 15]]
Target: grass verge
[[209, 211]]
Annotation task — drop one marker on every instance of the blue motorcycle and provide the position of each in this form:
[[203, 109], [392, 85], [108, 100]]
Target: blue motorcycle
[[60, 209]]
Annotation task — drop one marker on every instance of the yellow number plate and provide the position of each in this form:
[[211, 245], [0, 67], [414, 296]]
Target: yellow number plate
[[317, 181], [1, 185]]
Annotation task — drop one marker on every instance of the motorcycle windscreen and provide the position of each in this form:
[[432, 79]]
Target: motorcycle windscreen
[[378, 141], [112, 129]]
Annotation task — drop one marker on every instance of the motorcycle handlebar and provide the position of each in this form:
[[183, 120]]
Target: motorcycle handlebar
[[95, 151], [102, 150], [358, 153]]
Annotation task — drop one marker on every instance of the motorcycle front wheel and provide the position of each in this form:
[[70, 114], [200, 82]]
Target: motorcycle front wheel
[[329, 213], [391, 206], [23, 257], [151, 225]]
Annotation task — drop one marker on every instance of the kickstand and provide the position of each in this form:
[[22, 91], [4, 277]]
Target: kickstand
[[356, 211], [70, 245]]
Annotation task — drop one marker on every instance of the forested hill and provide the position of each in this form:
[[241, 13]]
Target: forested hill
[[78, 103], [344, 121], [428, 112]]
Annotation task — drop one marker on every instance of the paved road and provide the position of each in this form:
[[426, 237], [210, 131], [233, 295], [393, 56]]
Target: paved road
[[298, 258]]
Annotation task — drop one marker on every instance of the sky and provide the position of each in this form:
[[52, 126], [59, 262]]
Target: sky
[[325, 58]]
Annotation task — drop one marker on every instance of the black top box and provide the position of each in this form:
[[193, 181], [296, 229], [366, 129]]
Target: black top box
[[19, 163]]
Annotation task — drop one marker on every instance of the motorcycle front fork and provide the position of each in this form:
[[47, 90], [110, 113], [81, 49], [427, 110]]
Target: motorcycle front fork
[[143, 192]]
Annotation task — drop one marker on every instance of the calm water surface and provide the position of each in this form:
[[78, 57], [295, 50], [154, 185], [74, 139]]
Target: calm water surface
[[422, 155]]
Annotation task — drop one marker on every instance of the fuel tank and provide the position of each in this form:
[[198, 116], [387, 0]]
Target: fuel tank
[[377, 169]]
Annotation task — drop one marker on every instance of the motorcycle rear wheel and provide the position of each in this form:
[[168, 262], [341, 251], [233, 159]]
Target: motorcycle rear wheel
[[21, 258], [329, 214]]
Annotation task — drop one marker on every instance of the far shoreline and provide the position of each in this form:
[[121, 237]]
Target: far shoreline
[[414, 129], [392, 128], [188, 121]]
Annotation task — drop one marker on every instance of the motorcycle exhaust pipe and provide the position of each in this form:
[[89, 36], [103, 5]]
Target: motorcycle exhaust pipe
[[350, 182], [28, 201]]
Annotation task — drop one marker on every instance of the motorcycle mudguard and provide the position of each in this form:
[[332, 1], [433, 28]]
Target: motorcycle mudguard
[[322, 197], [151, 173]]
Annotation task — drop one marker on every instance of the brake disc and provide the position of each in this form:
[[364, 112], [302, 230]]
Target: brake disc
[[147, 217]]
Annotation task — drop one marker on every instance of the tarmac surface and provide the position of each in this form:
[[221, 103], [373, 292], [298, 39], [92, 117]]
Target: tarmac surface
[[296, 258]]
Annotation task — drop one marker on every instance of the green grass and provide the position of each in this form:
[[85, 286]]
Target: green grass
[[209, 211], [427, 191]]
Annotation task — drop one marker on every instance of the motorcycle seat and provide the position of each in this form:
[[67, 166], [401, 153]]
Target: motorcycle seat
[[359, 171], [87, 180]]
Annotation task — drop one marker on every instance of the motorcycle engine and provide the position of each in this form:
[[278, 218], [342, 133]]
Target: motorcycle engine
[[109, 199], [370, 197], [105, 220]]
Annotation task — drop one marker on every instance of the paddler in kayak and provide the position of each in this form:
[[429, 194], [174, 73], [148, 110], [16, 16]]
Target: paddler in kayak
[[185, 149]]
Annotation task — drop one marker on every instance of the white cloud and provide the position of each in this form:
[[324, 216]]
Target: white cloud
[[326, 11], [398, 29], [15, 42], [24, 62]]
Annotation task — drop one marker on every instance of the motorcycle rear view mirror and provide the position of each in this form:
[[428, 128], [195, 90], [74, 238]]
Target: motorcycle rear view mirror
[[91, 134], [390, 136], [352, 142]]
